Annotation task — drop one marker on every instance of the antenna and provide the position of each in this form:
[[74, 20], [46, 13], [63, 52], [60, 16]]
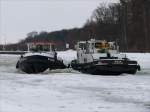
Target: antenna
[[4, 44]]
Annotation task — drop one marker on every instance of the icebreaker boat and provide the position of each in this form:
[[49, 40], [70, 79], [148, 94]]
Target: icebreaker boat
[[40, 57], [100, 57]]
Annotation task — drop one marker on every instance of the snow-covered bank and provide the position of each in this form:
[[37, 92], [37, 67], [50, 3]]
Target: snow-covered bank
[[72, 91]]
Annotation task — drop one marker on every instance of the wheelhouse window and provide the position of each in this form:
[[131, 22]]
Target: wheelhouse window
[[82, 46], [40, 47], [98, 45], [102, 45]]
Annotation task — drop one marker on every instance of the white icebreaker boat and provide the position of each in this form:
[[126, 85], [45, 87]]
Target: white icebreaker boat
[[100, 57]]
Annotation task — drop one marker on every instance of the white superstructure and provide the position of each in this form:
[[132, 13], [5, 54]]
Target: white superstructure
[[88, 51]]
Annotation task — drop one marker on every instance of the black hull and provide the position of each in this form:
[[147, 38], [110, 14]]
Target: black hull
[[110, 69], [37, 64]]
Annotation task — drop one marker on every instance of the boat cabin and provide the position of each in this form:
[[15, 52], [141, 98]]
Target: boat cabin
[[41, 46], [97, 46], [88, 51]]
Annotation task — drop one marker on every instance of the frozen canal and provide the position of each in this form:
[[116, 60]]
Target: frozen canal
[[71, 91]]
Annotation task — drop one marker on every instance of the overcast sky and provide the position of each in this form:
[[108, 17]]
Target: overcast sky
[[19, 17]]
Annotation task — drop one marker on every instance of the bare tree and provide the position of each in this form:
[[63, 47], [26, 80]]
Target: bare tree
[[106, 14]]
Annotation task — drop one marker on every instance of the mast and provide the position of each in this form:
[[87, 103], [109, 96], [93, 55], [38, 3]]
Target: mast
[[4, 44], [28, 45]]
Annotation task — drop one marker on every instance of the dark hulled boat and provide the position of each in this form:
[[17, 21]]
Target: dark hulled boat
[[102, 58], [39, 59], [107, 68]]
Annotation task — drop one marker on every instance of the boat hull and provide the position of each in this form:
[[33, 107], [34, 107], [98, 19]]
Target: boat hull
[[106, 69], [38, 64]]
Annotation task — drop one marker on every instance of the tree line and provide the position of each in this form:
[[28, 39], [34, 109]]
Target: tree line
[[127, 22]]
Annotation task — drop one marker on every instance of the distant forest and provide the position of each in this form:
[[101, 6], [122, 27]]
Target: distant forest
[[127, 22]]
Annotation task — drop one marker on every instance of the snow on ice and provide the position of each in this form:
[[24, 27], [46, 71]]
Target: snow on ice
[[71, 91]]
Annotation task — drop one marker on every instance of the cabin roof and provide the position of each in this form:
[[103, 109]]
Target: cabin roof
[[41, 43]]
